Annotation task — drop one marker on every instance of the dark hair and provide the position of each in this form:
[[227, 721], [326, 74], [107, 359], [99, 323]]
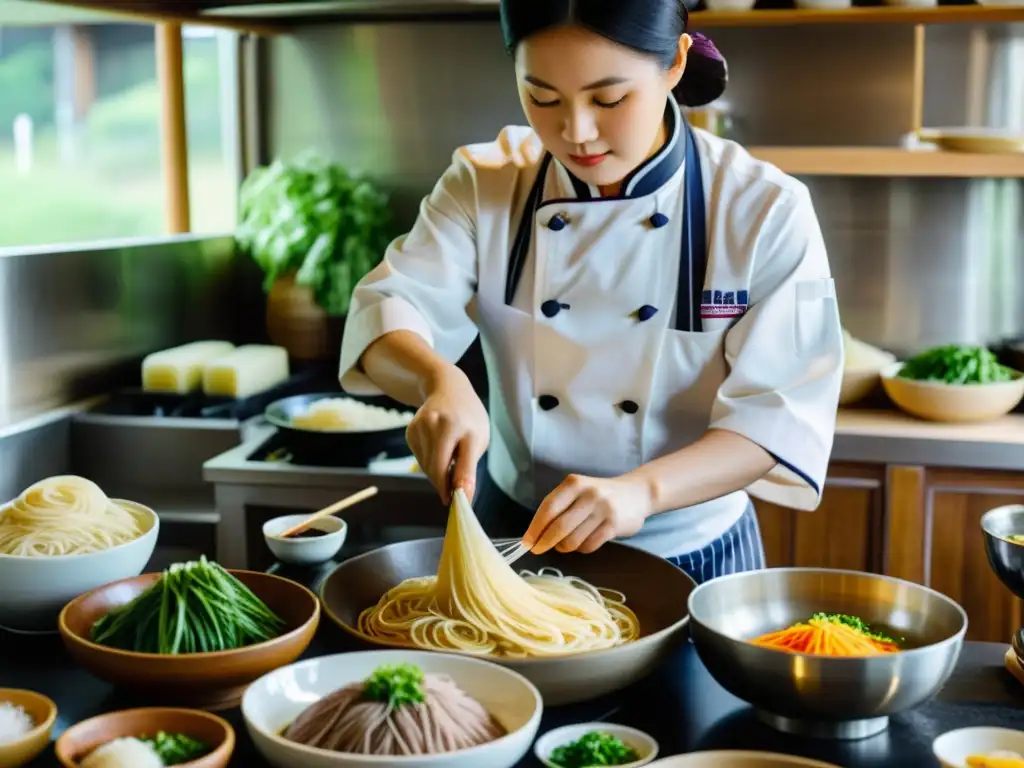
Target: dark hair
[[648, 26]]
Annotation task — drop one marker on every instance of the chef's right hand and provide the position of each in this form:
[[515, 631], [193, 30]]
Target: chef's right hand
[[450, 428]]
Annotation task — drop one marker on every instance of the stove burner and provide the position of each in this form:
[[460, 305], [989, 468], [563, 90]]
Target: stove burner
[[136, 402]]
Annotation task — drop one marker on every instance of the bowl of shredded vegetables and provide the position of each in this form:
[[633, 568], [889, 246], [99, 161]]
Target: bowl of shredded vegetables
[[595, 744], [826, 653], [954, 383], [195, 634], [152, 736]]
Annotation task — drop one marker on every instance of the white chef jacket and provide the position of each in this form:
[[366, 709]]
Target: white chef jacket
[[581, 381]]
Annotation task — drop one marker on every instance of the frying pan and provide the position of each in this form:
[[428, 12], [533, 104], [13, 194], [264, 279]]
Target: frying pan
[[341, 448]]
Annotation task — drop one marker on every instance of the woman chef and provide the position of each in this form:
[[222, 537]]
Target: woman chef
[[655, 306]]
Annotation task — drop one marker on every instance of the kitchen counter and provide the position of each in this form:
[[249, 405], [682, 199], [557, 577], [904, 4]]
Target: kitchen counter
[[892, 437], [680, 705]]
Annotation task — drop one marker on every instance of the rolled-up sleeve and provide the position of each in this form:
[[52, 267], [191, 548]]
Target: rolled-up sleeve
[[785, 356], [424, 283]]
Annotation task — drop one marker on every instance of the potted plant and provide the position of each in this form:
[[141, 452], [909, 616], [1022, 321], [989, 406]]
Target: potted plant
[[314, 229]]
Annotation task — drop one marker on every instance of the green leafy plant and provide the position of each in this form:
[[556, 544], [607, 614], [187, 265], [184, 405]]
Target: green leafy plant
[[313, 217]]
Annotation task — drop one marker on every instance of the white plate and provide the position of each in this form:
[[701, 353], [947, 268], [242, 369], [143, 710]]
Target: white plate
[[644, 745], [954, 747]]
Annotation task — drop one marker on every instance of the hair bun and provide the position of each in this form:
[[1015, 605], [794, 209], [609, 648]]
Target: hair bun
[[706, 75]]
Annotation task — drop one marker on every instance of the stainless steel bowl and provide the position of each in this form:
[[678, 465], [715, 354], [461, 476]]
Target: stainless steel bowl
[[1006, 557], [825, 696], [655, 589]]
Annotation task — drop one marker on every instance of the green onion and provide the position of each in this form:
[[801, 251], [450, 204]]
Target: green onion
[[396, 684], [195, 607], [177, 748], [593, 749]]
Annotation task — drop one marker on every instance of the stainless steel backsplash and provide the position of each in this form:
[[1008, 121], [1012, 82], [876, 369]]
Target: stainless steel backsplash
[[75, 322], [917, 262]]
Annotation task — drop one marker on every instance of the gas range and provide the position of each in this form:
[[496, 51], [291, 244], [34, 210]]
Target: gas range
[[257, 480]]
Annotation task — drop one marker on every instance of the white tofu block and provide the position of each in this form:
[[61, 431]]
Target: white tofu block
[[179, 370], [247, 370]]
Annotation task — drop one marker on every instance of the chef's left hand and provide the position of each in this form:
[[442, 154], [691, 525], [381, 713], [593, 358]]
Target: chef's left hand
[[583, 513]]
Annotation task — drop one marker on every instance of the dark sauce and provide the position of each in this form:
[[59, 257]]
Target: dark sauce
[[309, 533]]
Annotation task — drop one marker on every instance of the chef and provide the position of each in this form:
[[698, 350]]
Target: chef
[[655, 305]]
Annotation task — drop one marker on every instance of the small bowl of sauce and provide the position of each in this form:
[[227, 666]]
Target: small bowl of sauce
[[317, 544]]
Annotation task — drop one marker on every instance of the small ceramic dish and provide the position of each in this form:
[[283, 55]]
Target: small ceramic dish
[[79, 741], [14, 754], [305, 550], [645, 746], [953, 748]]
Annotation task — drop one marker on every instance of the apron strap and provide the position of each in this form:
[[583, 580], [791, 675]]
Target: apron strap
[[693, 261]]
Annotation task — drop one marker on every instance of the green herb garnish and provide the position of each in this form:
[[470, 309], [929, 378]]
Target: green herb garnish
[[954, 364], [593, 749], [176, 748], [397, 684], [195, 607], [858, 624]]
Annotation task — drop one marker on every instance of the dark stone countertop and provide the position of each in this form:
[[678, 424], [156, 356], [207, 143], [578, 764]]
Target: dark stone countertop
[[680, 705]]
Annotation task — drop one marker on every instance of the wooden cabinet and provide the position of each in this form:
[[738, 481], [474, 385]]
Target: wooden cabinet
[[916, 523], [844, 532], [934, 537]]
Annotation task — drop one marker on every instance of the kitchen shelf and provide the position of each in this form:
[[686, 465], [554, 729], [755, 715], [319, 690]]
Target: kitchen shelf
[[268, 18], [890, 161]]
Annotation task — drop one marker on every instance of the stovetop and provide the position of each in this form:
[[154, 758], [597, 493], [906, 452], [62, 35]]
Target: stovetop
[[137, 403], [274, 449]]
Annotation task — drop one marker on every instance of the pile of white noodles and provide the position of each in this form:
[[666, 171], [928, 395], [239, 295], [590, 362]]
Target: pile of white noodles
[[478, 604], [66, 515], [343, 414]]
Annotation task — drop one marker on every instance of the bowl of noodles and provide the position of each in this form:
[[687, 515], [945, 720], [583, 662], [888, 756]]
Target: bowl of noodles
[[826, 653], [61, 538], [577, 626], [407, 709]]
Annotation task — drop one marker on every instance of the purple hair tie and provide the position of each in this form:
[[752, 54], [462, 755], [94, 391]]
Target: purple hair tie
[[702, 46]]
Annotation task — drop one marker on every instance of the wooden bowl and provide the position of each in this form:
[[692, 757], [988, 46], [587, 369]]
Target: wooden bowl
[[955, 403], [76, 743], [14, 754], [210, 681]]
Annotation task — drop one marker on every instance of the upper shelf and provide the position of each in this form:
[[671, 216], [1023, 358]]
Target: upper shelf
[[276, 16], [891, 162]]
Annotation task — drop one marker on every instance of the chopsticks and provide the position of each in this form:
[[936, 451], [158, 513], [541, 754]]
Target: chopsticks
[[337, 506]]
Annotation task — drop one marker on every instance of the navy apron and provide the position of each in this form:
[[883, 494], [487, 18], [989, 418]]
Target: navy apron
[[739, 548]]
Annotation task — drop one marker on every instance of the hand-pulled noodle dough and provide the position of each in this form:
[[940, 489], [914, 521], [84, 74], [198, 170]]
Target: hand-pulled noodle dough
[[478, 604], [66, 515]]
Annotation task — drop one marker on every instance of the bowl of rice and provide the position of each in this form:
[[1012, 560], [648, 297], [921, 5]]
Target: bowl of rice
[[26, 722]]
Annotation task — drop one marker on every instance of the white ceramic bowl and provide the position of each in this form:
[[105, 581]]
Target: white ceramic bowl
[[737, 759], [953, 747], [34, 590], [309, 551], [276, 699], [645, 746]]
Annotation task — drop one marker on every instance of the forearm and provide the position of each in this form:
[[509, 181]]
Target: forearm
[[404, 366], [719, 463]]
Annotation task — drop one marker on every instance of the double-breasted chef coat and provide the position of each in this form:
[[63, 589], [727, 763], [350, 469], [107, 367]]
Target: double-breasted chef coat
[[611, 339]]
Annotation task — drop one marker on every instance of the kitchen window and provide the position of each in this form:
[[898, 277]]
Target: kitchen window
[[80, 131]]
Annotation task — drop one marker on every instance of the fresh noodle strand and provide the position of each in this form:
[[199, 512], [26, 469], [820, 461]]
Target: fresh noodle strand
[[478, 604], [66, 515]]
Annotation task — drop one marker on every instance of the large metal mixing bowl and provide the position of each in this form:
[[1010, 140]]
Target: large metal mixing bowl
[[825, 696], [1006, 557], [655, 589]]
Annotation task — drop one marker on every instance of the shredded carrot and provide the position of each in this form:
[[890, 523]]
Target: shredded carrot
[[825, 638]]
